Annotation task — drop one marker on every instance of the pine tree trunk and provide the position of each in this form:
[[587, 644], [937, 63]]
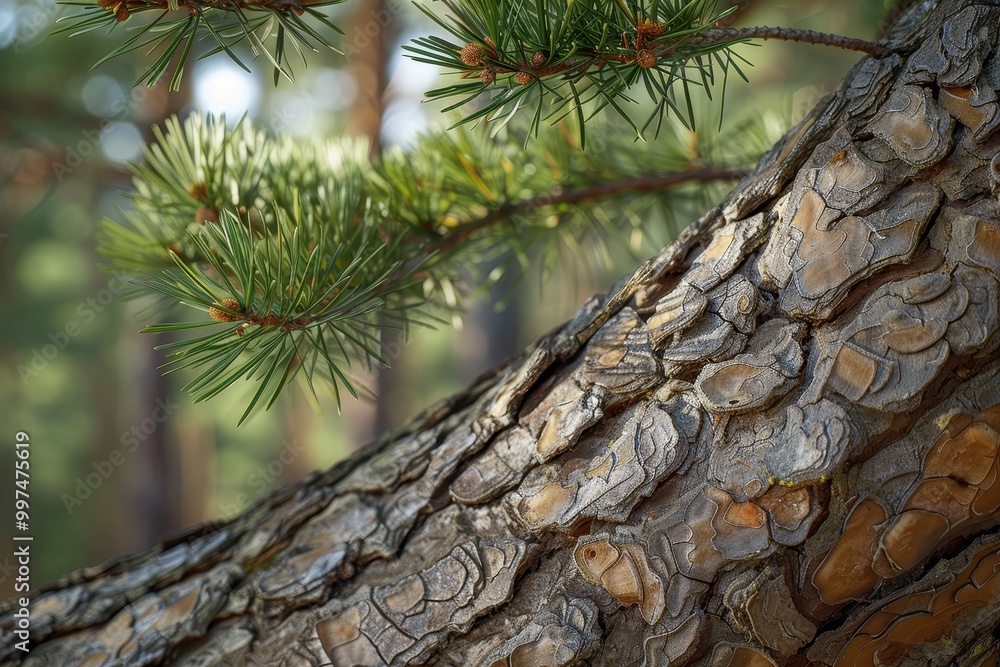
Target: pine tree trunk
[[776, 443]]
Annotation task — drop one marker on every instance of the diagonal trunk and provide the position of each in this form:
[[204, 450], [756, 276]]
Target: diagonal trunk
[[778, 442]]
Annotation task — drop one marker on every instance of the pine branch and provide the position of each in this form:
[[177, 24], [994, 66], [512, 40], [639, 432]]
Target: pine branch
[[559, 58], [174, 25], [125, 8], [301, 252], [588, 193], [556, 57], [649, 56], [729, 35]]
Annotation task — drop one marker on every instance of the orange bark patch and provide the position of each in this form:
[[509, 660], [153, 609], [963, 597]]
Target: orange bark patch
[[787, 507], [846, 573], [985, 246], [910, 538], [623, 570], [926, 616]]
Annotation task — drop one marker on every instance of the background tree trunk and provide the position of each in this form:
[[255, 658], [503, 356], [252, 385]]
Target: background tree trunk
[[775, 443]]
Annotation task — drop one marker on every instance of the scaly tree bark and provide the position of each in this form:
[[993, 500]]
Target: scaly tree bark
[[778, 442]]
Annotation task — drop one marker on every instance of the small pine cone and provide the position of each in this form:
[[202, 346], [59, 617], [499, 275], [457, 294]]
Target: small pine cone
[[120, 9], [220, 315], [487, 76], [203, 215], [524, 78], [646, 59], [271, 320], [647, 28], [199, 191], [538, 59], [471, 54]]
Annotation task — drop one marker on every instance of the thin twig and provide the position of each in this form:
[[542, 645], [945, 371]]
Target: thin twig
[[667, 48], [720, 35], [125, 8], [576, 195]]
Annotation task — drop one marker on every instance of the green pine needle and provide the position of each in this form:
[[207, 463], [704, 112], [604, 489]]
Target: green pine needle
[[169, 28]]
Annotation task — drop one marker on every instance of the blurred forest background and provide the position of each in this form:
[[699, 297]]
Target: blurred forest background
[[119, 457]]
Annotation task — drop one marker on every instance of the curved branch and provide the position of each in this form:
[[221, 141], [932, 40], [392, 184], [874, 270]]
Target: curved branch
[[648, 53], [576, 195], [721, 35], [125, 8]]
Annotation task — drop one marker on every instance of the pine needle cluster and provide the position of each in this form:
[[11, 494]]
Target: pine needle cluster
[[299, 253], [553, 58], [273, 29]]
